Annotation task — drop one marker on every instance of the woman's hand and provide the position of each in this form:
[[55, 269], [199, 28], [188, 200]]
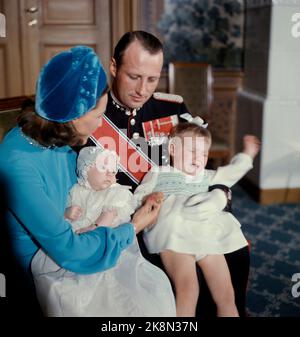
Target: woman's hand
[[147, 214]]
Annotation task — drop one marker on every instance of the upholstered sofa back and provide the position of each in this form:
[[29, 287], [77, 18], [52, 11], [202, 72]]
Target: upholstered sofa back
[[9, 110]]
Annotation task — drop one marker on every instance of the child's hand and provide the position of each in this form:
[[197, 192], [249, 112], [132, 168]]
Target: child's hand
[[73, 213], [106, 218], [251, 145]]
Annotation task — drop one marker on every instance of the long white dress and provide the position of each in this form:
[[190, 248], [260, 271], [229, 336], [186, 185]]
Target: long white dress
[[134, 287], [194, 230]]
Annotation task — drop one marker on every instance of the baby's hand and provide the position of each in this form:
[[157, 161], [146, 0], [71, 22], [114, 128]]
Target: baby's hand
[[251, 145], [73, 213], [106, 218], [86, 229]]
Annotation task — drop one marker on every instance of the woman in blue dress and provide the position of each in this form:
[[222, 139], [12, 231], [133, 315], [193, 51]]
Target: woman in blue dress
[[38, 168]]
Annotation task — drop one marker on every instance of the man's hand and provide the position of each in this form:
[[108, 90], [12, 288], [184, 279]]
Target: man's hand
[[73, 213], [251, 145]]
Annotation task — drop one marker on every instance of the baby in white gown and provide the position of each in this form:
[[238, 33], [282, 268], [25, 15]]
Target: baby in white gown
[[186, 232], [134, 287]]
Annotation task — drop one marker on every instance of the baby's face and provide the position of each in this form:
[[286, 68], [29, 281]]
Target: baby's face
[[189, 153], [100, 180], [103, 174]]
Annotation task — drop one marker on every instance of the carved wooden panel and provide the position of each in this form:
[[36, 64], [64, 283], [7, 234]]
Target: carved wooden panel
[[48, 51], [75, 12], [57, 25], [222, 120]]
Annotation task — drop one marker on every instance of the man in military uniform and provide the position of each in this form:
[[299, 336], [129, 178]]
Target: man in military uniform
[[132, 123], [132, 102]]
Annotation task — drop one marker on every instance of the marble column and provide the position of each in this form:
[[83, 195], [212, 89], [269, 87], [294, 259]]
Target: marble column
[[269, 103]]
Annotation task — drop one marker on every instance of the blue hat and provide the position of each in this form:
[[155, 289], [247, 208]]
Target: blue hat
[[70, 85]]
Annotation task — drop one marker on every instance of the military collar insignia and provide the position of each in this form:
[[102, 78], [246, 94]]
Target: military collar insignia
[[121, 106]]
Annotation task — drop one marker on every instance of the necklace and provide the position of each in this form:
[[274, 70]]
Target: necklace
[[34, 142]]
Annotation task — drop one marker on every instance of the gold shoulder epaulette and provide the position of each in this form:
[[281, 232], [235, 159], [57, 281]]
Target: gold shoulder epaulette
[[161, 96]]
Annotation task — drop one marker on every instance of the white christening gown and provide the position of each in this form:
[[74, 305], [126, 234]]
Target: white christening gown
[[134, 287]]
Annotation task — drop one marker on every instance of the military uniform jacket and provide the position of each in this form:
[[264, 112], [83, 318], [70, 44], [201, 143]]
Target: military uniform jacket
[[131, 123]]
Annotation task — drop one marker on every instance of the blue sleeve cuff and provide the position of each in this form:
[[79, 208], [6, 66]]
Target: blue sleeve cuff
[[125, 234]]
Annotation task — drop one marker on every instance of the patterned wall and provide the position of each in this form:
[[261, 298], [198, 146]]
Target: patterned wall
[[204, 30]]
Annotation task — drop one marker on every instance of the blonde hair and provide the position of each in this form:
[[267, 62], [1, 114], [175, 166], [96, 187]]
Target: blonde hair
[[180, 129]]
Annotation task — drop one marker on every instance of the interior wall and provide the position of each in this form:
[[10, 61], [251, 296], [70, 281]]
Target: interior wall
[[269, 104]]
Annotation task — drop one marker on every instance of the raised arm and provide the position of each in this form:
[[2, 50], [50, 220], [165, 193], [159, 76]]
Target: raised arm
[[230, 174], [239, 165], [215, 201]]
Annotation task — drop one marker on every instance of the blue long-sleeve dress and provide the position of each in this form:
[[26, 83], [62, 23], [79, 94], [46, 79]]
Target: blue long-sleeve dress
[[37, 181]]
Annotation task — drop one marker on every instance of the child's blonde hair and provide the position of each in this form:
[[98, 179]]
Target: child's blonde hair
[[180, 129]]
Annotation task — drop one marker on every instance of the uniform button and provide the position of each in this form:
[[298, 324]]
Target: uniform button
[[132, 121], [128, 241], [135, 135], [127, 112]]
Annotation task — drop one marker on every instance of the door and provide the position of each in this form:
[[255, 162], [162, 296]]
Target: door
[[38, 29], [10, 53], [50, 26]]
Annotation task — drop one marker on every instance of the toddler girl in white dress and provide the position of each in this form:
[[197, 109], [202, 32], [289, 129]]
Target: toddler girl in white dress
[[183, 235], [134, 287]]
